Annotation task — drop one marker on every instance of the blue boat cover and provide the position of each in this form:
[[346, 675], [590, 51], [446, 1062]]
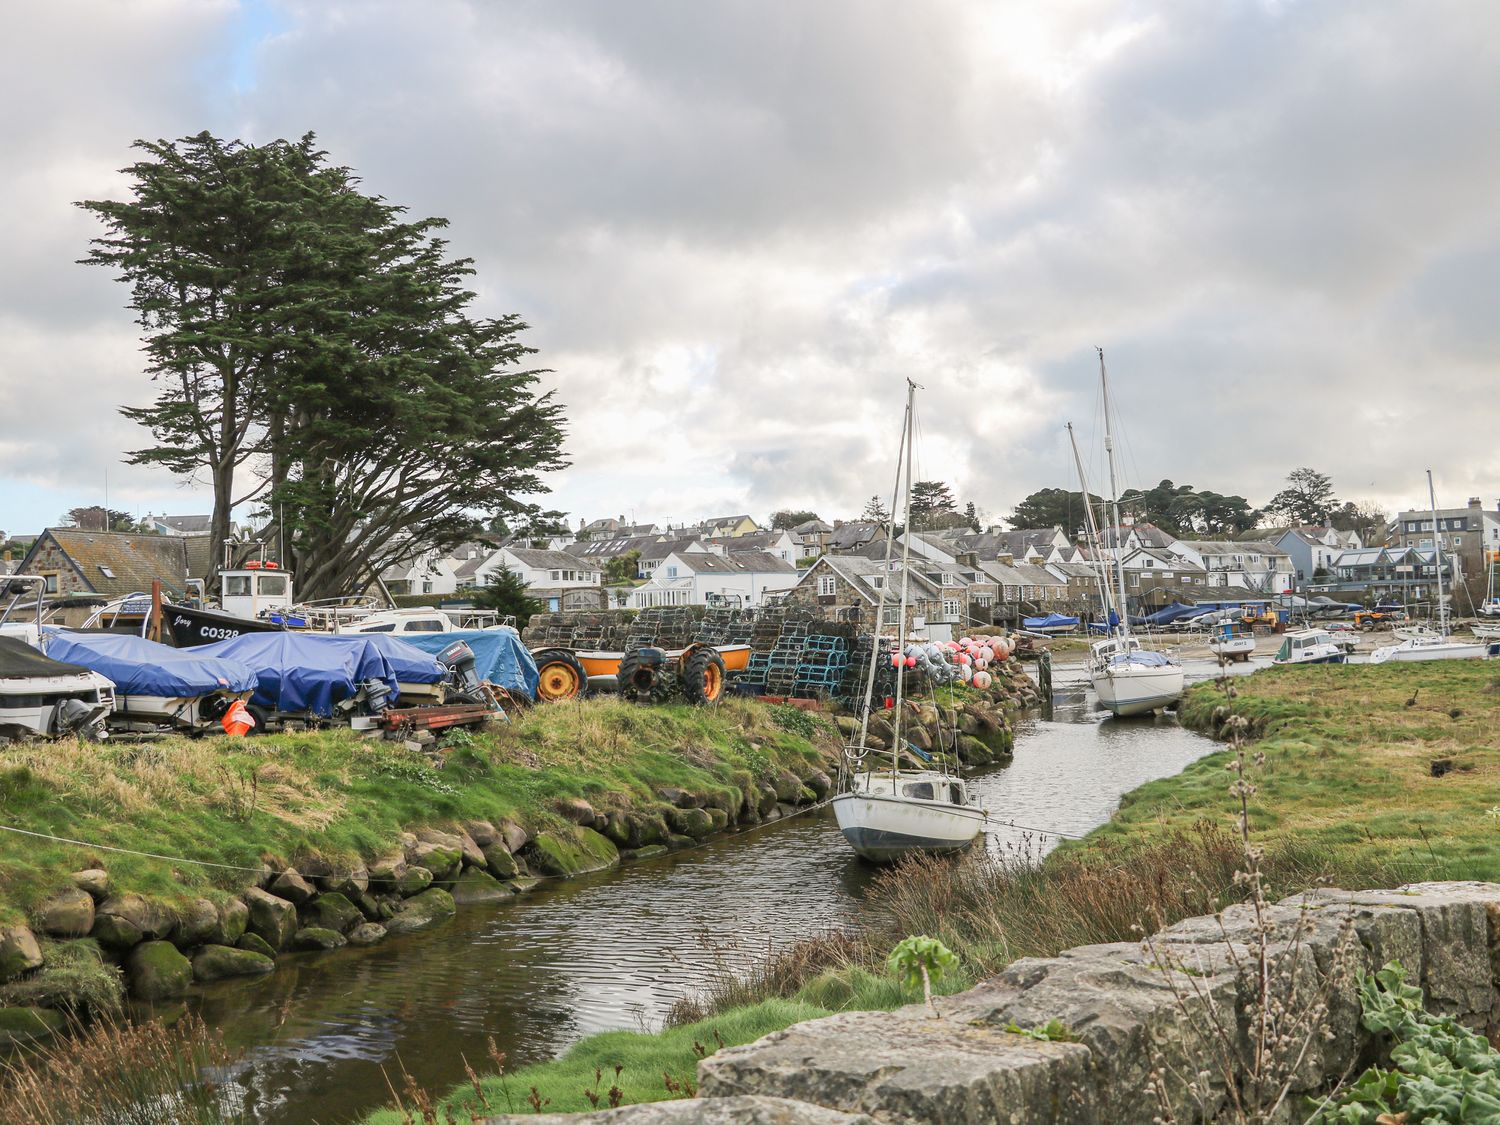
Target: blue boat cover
[[1051, 621], [142, 667], [303, 672], [409, 664], [500, 656]]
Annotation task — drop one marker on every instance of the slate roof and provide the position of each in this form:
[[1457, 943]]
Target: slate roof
[[133, 560], [853, 535], [1233, 547], [544, 560], [857, 571], [741, 562], [185, 525], [812, 527], [613, 548]]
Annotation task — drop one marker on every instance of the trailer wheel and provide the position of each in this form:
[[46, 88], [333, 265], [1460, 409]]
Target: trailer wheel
[[560, 676], [703, 677]]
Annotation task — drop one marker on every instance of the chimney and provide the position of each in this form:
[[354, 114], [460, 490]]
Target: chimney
[[1476, 503]]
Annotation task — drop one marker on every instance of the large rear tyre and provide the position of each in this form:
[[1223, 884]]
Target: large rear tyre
[[559, 676], [643, 676], [703, 677]]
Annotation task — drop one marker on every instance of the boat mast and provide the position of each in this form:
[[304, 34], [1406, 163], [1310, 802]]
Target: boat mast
[[1437, 546], [890, 542], [911, 418], [1114, 503], [1092, 531]]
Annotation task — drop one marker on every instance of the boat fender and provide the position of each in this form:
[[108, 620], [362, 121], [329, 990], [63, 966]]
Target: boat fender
[[237, 721]]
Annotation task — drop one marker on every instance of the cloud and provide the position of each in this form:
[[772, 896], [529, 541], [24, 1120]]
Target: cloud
[[736, 229]]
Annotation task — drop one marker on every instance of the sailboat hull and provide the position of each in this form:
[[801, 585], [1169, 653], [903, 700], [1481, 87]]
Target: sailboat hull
[[883, 829], [1411, 651], [1139, 690]]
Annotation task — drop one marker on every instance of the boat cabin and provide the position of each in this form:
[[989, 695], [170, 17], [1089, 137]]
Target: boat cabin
[[255, 589], [925, 786], [1305, 646]]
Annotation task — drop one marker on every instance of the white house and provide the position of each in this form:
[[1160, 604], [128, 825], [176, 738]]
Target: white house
[[694, 577], [1257, 566], [542, 570], [783, 544], [428, 573]]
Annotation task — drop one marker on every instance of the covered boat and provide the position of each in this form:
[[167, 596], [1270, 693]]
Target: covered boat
[[500, 657], [419, 677], [155, 684], [1052, 623], [40, 696], [192, 626], [302, 674]]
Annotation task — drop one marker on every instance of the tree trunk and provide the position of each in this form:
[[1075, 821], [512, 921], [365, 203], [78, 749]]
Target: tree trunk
[[218, 532]]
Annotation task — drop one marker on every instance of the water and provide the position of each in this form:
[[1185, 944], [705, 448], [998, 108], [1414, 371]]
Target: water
[[616, 949]]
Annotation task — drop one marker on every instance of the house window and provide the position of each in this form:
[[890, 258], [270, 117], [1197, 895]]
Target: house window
[[984, 599], [1135, 579], [556, 577], [49, 583], [878, 581], [671, 572], [892, 616], [104, 570], [950, 579], [827, 586], [950, 607]]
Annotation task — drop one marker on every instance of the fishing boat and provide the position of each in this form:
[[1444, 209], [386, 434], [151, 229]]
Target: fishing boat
[[45, 698], [1128, 679], [1053, 624], [1309, 646], [1232, 640], [1434, 644], [886, 811]]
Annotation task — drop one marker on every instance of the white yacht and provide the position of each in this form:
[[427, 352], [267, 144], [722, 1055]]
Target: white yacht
[[1309, 646], [884, 810]]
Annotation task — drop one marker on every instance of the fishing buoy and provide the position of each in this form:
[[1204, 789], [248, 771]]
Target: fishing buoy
[[911, 661], [896, 660], [965, 659], [986, 652], [237, 721], [982, 680]]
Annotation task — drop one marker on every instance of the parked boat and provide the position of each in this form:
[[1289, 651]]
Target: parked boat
[[1128, 679], [1430, 644], [1309, 646], [884, 811], [1486, 632], [1052, 624], [1232, 640], [191, 626], [45, 698], [156, 685]]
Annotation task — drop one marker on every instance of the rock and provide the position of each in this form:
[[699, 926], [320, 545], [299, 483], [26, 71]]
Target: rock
[[421, 912], [19, 952], [234, 917], [254, 943], [513, 835], [473, 854], [482, 832], [918, 737], [368, 905], [332, 912], [718, 819], [443, 860], [123, 920], [68, 913], [272, 919], [475, 886], [788, 786], [25, 1025], [524, 883], [312, 938], [293, 887], [157, 970], [414, 880], [677, 843], [750, 1110], [577, 810], [647, 828], [690, 822], [219, 962], [94, 880], [499, 862], [385, 872], [820, 783], [552, 853], [368, 933], [197, 924], [766, 799], [351, 882], [650, 851]]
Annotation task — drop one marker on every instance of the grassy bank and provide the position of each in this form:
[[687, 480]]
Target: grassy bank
[[1350, 757], [333, 794]]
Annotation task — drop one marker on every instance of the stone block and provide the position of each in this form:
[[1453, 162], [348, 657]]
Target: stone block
[[69, 913], [697, 1111]]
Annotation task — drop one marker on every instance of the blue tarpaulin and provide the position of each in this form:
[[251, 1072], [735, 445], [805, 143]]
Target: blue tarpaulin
[[142, 667], [1051, 621], [409, 664], [302, 672], [500, 656]]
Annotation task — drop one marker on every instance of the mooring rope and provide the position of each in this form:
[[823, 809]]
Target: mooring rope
[[126, 851]]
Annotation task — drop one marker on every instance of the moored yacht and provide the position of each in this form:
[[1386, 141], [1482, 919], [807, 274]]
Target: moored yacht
[[1309, 646]]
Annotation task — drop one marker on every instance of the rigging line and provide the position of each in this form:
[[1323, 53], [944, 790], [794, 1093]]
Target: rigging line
[[127, 851], [1033, 828]]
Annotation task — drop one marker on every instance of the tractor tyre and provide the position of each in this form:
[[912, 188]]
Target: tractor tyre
[[560, 676], [703, 677], [642, 679]]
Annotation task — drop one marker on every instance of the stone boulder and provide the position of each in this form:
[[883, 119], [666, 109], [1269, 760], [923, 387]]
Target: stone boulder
[[234, 917], [314, 938], [220, 962], [765, 803], [476, 886], [351, 882], [25, 1025], [577, 810], [19, 952], [750, 1110], [552, 853], [443, 860], [67, 914], [157, 970], [94, 880], [272, 919], [122, 921], [421, 912], [368, 933], [332, 911], [690, 822], [499, 862], [788, 787], [385, 872], [820, 783], [254, 943], [512, 835], [291, 886], [197, 924], [482, 832], [414, 880]]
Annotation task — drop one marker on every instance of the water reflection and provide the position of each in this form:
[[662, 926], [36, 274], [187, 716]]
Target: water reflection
[[615, 950]]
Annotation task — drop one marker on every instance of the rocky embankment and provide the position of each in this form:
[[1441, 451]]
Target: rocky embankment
[[90, 945]]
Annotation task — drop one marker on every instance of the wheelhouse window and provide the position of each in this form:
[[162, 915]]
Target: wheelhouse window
[[236, 585], [272, 585], [921, 790]]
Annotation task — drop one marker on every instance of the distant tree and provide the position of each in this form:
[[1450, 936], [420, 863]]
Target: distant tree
[[786, 519], [932, 502], [1054, 507], [506, 592], [623, 568], [1307, 499], [875, 511], [97, 518], [1226, 515], [1366, 519], [971, 515]]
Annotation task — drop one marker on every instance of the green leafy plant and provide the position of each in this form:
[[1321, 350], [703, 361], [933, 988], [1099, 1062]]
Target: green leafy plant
[[923, 959], [1053, 1031], [794, 720], [1441, 1071]]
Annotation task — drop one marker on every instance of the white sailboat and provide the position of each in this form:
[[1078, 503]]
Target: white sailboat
[[884, 811], [1439, 644], [1128, 678]]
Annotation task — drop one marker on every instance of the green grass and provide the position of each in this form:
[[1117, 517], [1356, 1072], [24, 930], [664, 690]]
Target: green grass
[[334, 794], [1348, 753]]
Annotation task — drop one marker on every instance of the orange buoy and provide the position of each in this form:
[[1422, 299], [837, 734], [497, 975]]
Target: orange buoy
[[237, 721]]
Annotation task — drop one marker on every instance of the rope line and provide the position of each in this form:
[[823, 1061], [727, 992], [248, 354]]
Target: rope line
[[126, 851]]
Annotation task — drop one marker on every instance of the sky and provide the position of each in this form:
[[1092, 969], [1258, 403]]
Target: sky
[[735, 229]]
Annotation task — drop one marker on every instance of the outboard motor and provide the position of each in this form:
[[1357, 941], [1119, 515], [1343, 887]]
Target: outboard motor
[[377, 695], [463, 672], [74, 716]]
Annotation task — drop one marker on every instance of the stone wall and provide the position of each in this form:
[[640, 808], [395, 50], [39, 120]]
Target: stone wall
[[1124, 1018]]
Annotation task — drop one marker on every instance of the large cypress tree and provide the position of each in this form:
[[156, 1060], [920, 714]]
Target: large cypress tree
[[309, 337]]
